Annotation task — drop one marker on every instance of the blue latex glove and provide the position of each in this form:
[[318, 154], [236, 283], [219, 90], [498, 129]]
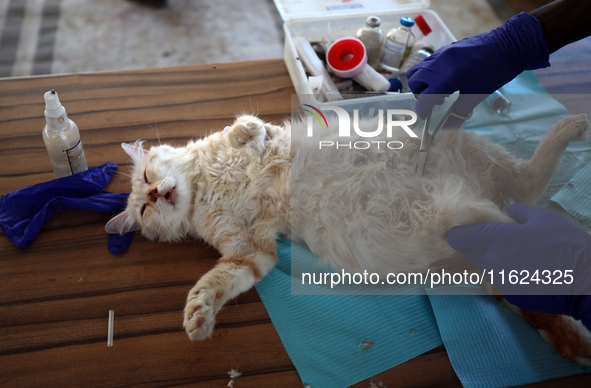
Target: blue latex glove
[[24, 212], [479, 65], [120, 242], [540, 240]]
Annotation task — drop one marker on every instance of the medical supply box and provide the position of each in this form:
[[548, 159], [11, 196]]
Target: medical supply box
[[329, 20]]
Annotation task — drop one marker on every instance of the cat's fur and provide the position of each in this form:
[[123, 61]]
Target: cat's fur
[[241, 188]]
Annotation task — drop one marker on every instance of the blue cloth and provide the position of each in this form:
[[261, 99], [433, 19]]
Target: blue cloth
[[488, 345], [574, 197], [338, 340], [491, 346], [24, 212]]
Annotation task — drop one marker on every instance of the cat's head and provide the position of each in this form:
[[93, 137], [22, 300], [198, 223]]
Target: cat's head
[[160, 201]]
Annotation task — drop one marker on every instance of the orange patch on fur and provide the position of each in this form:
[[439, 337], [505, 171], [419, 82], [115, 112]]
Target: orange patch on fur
[[566, 342], [241, 262], [266, 248], [226, 239]]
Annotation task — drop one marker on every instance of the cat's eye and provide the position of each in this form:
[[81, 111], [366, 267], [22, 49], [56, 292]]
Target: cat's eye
[[143, 209], [146, 177]]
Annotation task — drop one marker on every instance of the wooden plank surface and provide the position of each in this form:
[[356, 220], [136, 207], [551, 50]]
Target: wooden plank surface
[[55, 295]]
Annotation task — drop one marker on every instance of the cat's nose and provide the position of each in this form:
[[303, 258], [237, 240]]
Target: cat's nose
[[153, 195], [170, 196]]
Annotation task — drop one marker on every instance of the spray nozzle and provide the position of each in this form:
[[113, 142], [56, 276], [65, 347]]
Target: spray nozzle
[[53, 106]]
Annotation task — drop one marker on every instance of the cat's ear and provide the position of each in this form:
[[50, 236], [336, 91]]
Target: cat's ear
[[136, 151], [122, 223]]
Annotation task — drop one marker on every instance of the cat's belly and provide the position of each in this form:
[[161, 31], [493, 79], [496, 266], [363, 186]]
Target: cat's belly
[[367, 210]]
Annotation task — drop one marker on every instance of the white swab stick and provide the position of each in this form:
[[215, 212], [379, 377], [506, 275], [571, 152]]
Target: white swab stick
[[110, 330]]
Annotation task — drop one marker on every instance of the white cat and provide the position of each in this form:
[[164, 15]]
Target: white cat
[[240, 189]]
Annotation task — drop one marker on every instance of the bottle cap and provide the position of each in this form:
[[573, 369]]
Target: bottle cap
[[407, 22], [395, 84], [53, 106], [423, 25], [373, 21]]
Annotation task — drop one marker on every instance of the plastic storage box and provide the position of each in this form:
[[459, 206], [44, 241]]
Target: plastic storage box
[[330, 20]]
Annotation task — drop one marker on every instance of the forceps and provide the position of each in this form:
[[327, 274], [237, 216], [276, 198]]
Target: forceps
[[419, 158]]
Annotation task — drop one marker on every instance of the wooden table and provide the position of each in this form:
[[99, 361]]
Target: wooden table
[[55, 295]]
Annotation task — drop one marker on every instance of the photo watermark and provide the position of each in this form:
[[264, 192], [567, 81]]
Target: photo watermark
[[352, 182], [348, 127]]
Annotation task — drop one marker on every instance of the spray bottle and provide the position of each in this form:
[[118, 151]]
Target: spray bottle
[[62, 139]]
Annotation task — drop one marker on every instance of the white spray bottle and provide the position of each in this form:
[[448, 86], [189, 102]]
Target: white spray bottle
[[62, 139]]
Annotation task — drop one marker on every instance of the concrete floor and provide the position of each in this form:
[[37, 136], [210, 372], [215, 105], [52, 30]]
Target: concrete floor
[[71, 36]]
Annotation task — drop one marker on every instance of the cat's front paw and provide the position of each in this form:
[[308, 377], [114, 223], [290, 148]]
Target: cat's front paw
[[246, 129], [200, 312]]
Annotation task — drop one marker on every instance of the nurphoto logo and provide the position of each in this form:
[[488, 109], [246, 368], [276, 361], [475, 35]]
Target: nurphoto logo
[[315, 115], [401, 118]]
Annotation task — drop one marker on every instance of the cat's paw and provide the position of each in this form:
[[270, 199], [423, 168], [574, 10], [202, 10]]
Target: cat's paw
[[200, 312], [272, 130], [573, 128], [246, 129]]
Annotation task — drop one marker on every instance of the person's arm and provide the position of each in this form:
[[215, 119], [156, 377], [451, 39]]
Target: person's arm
[[564, 21], [479, 65]]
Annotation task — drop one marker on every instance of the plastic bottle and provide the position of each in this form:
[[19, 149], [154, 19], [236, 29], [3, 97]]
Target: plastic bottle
[[397, 46], [499, 103], [371, 36], [62, 139], [419, 52]]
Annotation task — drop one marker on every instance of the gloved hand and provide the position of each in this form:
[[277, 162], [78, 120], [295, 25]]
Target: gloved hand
[[540, 240], [479, 64], [24, 212]]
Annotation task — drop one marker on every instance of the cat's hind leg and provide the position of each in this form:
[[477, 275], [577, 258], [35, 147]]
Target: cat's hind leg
[[229, 278], [523, 181]]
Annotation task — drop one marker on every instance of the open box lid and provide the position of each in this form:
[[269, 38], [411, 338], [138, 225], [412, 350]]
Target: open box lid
[[296, 9]]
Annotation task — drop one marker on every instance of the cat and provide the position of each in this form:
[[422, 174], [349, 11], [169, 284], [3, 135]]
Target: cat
[[241, 188]]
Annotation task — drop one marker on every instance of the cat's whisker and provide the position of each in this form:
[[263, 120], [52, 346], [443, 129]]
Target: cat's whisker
[[122, 173], [100, 230], [157, 133], [155, 130], [250, 101], [252, 110]]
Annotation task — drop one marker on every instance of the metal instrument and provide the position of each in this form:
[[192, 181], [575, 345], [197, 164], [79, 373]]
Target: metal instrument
[[419, 158]]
